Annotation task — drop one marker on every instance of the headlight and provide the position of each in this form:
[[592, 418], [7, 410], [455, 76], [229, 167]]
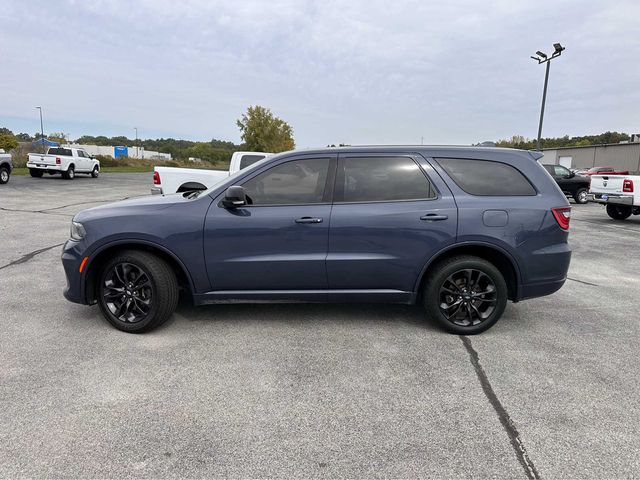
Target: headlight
[[77, 231]]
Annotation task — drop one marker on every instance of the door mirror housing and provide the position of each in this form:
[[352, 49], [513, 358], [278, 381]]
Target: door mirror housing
[[234, 197], [570, 175]]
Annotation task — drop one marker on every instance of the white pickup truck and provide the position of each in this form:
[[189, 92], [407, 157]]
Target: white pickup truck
[[620, 193], [65, 160], [176, 180]]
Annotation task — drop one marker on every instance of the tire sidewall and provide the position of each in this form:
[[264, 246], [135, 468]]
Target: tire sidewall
[[71, 173], [447, 268], [577, 197], [95, 172], [4, 175]]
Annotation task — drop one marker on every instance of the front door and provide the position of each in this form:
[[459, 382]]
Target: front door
[[391, 213], [279, 241]]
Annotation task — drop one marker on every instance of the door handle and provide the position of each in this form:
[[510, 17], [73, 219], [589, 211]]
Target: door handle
[[309, 220], [433, 217]]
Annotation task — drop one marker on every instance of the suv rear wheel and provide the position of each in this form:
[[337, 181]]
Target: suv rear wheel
[[137, 291], [619, 212], [465, 294]]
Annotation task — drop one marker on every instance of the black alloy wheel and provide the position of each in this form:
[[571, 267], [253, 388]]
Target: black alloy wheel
[[467, 297], [136, 291], [465, 294], [127, 292]]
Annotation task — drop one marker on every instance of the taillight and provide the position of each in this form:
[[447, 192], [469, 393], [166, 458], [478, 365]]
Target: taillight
[[627, 185], [58, 161], [156, 178], [562, 216]]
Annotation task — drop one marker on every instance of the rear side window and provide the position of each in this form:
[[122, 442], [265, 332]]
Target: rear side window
[[483, 177], [248, 160], [383, 179]]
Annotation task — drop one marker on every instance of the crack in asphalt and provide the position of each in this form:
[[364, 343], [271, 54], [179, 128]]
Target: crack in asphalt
[[47, 210], [28, 256], [508, 425], [582, 281]]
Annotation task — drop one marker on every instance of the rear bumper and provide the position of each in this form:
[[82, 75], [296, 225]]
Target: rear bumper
[[44, 166], [156, 190], [613, 198], [547, 271]]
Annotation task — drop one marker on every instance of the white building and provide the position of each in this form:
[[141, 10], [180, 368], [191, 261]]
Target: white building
[[121, 151]]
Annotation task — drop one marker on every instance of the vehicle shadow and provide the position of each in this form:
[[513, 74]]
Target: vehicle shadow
[[302, 313]]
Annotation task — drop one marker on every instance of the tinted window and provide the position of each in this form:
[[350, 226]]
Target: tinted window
[[291, 183], [66, 152], [380, 179], [247, 160], [561, 171], [482, 177], [81, 153]]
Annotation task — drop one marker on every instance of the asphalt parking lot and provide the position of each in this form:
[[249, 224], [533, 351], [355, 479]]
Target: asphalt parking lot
[[312, 390]]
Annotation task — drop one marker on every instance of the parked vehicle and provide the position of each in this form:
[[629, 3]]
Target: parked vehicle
[[63, 160], [172, 180], [603, 171], [458, 230], [6, 166], [619, 193], [573, 185]]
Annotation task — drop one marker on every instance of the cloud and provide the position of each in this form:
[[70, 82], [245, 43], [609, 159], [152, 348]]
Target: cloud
[[338, 71]]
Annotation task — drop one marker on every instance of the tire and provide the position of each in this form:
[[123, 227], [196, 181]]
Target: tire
[[4, 175], [95, 172], [480, 312], [35, 173], [619, 212], [70, 174], [157, 285], [581, 196]]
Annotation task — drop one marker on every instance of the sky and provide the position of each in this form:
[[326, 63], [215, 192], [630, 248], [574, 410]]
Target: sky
[[354, 71]]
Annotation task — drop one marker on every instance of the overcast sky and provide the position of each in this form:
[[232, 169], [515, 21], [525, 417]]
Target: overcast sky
[[349, 71]]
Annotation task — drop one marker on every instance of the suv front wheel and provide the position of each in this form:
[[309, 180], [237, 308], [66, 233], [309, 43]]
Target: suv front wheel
[[137, 291], [465, 294]]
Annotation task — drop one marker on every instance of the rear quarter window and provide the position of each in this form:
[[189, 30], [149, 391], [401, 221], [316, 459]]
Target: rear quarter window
[[487, 178]]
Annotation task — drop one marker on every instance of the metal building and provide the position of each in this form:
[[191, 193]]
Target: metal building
[[623, 156]]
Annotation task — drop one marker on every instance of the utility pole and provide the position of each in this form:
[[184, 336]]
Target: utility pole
[[543, 58], [41, 130]]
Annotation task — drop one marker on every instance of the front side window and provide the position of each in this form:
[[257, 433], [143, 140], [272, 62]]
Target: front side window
[[291, 183], [486, 178], [383, 179], [81, 153], [561, 171]]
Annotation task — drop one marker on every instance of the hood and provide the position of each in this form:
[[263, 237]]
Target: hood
[[133, 206]]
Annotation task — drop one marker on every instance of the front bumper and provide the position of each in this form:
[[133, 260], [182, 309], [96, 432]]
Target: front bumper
[[613, 198], [72, 256]]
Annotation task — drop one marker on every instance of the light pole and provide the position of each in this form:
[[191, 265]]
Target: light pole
[[543, 58], [136, 129], [41, 130]]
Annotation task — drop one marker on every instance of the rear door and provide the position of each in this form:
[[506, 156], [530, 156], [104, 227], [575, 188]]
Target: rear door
[[606, 183], [391, 213]]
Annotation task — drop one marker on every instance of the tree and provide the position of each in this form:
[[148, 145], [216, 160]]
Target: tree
[[261, 131], [58, 137], [24, 137], [8, 142]]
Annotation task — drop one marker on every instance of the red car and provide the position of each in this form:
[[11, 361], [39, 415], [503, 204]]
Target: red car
[[603, 171]]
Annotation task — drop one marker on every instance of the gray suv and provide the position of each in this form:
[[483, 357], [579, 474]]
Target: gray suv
[[458, 230]]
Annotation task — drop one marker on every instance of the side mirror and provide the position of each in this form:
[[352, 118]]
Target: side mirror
[[571, 175], [234, 197]]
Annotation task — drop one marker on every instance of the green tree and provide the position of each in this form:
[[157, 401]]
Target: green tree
[[8, 142], [261, 131]]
